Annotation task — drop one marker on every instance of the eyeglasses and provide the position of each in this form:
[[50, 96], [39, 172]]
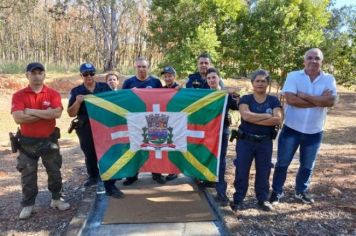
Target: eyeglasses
[[144, 67], [87, 74], [313, 58]]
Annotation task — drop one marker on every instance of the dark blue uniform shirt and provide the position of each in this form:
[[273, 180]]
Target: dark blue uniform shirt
[[267, 106], [231, 104], [81, 90], [150, 82], [196, 81], [173, 85]]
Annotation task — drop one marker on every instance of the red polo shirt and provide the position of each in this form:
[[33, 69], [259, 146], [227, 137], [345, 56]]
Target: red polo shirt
[[26, 98]]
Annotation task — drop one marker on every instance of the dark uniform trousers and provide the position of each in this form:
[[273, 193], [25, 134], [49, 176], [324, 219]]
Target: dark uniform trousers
[[247, 151], [87, 146], [28, 166], [221, 186]]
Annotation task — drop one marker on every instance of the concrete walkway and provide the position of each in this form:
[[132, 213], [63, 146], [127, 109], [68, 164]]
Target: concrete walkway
[[91, 225]]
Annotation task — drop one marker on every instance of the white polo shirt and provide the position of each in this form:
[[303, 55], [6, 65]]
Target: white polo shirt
[[307, 120]]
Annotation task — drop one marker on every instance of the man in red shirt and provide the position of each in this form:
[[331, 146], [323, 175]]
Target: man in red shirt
[[36, 108]]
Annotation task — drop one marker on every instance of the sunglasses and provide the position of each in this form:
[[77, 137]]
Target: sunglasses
[[87, 74], [313, 58]]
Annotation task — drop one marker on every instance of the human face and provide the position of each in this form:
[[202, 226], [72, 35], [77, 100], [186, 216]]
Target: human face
[[213, 80], [260, 84], [203, 65], [141, 69], [168, 79], [88, 78], [36, 77], [312, 62], [113, 82]]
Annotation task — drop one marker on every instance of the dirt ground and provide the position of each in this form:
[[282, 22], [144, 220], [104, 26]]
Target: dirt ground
[[333, 183]]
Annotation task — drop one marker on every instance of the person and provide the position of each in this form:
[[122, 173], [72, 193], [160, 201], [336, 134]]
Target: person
[[260, 113], [308, 93], [198, 79], [76, 107], [36, 108], [169, 76], [112, 79], [213, 77], [142, 80]]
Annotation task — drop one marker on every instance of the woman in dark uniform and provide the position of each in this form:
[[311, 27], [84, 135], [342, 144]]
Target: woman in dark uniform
[[260, 113]]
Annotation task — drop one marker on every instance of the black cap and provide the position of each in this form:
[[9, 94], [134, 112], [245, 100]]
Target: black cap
[[169, 69], [34, 65]]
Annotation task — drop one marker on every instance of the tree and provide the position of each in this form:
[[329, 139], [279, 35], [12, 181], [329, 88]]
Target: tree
[[340, 45], [274, 34]]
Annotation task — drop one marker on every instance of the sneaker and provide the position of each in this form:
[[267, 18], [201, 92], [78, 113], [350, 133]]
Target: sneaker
[[158, 178], [114, 192], [26, 212], [171, 177], [90, 182], [265, 205], [222, 200], [275, 197], [130, 180], [60, 205], [237, 206], [304, 197]]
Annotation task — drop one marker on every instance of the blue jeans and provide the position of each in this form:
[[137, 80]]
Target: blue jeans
[[221, 186], [246, 152], [288, 143]]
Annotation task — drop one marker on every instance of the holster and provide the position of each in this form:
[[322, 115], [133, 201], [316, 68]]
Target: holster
[[14, 141], [75, 124]]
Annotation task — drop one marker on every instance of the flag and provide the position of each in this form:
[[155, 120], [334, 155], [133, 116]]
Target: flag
[[157, 130]]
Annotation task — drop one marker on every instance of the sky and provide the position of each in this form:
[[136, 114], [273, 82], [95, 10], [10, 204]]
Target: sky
[[340, 3]]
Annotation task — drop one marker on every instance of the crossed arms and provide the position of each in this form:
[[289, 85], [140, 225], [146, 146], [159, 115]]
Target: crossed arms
[[264, 119], [303, 100], [32, 115]]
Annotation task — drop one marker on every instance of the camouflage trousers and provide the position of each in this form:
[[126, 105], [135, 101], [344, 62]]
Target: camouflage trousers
[[27, 165]]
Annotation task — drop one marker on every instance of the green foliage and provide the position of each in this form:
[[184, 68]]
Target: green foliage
[[340, 46], [184, 29], [12, 68]]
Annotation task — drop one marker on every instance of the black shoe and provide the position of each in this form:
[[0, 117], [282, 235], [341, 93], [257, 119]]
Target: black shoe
[[158, 178], [206, 184], [275, 197], [171, 177], [265, 205], [222, 200], [304, 197], [130, 180], [114, 192], [237, 206], [90, 182]]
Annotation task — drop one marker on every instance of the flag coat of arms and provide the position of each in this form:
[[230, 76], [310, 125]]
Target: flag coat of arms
[[157, 130]]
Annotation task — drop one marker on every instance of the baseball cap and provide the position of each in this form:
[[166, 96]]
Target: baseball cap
[[87, 67], [169, 69], [34, 65]]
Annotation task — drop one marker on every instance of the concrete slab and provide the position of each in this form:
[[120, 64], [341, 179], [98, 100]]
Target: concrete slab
[[92, 225]]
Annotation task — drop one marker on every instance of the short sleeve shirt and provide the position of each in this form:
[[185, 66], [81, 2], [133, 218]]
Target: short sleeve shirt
[[307, 120], [27, 98], [134, 82], [81, 90], [267, 106], [196, 81]]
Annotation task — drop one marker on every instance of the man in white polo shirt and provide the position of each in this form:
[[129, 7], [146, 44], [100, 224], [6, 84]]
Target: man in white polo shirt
[[308, 93]]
